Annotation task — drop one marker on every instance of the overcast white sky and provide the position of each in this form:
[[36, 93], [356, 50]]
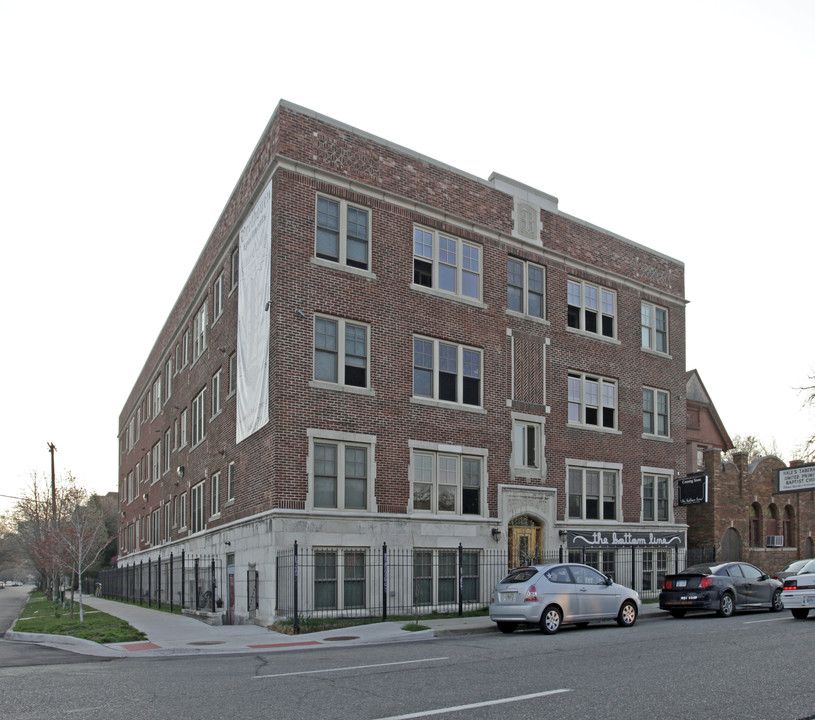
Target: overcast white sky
[[684, 126]]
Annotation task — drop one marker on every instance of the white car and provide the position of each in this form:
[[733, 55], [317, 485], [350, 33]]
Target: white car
[[551, 595], [798, 594]]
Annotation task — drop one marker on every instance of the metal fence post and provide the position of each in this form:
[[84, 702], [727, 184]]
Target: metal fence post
[[196, 583], [384, 581], [212, 583], [296, 621], [149, 583], [183, 577], [461, 579], [158, 581], [171, 582]]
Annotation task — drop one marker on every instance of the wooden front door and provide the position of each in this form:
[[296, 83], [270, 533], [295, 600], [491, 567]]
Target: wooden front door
[[524, 540]]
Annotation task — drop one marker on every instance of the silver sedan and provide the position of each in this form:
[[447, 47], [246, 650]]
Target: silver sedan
[[550, 595]]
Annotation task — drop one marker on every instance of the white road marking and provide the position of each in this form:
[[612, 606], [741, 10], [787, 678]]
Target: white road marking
[[472, 706], [753, 622], [353, 667]]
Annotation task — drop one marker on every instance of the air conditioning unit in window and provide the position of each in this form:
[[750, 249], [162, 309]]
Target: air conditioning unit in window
[[775, 541]]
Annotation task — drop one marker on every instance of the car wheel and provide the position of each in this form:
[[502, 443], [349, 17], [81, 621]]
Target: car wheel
[[551, 620], [507, 627], [627, 615], [800, 613], [725, 605], [777, 604], [678, 613]]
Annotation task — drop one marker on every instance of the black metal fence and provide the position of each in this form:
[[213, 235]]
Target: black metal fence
[[365, 582], [173, 581]]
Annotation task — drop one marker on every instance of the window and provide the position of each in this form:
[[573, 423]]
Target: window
[[233, 373], [215, 492], [447, 372], [655, 497], [155, 524], [186, 346], [339, 579], [218, 297], [167, 520], [182, 512], [183, 433], [446, 263], [755, 525], [340, 475], [216, 394], [157, 461], [199, 423], [436, 576], [447, 483], [591, 308], [197, 500], [655, 412], [234, 270], [525, 283], [199, 333], [168, 450], [168, 380], [342, 233], [340, 352], [230, 481], [772, 519], [654, 326], [592, 494], [789, 516], [157, 396], [526, 441], [592, 400]]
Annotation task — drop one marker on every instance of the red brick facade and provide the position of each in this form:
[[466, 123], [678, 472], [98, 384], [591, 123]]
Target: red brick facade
[[526, 361]]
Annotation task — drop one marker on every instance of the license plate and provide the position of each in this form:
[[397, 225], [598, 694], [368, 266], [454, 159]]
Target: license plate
[[508, 596], [808, 600], [681, 583], [689, 597]]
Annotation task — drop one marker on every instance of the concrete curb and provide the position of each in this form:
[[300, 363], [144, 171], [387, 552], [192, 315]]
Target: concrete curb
[[65, 642]]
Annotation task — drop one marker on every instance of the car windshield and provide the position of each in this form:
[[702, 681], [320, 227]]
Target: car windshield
[[796, 566], [520, 575]]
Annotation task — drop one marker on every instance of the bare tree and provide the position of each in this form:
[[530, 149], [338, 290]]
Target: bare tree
[[82, 537], [36, 523], [754, 447], [807, 452]]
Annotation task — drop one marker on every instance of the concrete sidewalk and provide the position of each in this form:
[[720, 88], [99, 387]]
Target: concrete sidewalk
[[171, 634]]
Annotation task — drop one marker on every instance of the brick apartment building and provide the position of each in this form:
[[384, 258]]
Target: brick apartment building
[[374, 347]]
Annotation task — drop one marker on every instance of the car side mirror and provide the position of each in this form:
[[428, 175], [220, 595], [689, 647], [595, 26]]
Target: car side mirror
[[609, 580], [764, 577]]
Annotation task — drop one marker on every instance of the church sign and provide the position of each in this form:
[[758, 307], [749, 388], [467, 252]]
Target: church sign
[[796, 479]]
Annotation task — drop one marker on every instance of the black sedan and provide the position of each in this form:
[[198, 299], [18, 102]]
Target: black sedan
[[725, 588]]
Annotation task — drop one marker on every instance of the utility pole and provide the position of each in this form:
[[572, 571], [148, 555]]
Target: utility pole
[[52, 449]]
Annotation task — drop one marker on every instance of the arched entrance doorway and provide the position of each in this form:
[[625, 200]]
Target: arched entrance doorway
[[731, 546], [524, 537]]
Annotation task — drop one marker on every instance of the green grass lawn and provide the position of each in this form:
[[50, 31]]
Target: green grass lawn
[[41, 615]]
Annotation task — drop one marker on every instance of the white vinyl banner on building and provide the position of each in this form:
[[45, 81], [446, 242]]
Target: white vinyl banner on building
[[254, 279]]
